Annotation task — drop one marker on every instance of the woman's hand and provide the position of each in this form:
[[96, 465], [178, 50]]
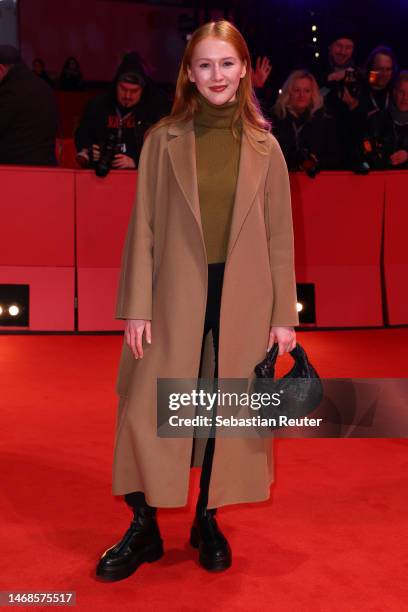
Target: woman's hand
[[134, 335], [284, 336]]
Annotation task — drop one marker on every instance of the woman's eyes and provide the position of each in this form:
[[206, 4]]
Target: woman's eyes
[[206, 64]]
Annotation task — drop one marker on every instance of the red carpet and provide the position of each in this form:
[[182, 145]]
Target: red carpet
[[333, 536]]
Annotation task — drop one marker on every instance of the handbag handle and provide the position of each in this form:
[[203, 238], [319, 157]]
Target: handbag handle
[[266, 368]]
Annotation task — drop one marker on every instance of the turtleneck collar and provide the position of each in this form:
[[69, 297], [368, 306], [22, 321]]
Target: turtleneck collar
[[215, 115]]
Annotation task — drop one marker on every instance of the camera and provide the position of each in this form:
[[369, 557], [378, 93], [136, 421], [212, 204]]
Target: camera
[[353, 82], [308, 162], [374, 155], [108, 151], [373, 77]]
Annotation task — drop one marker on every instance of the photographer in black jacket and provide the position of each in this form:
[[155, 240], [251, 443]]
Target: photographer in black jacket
[[28, 114], [385, 146], [306, 133], [119, 119]]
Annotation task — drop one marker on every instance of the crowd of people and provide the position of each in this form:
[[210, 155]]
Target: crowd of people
[[70, 79], [335, 115]]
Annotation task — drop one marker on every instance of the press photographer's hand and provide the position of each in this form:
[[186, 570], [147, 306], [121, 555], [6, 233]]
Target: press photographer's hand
[[399, 157], [122, 162], [284, 336], [134, 331], [96, 152], [348, 99]]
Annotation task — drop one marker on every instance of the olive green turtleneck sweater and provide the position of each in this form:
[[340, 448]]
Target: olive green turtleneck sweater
[[217, 158]]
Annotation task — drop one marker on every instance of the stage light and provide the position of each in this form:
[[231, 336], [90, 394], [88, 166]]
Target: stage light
[[280, 91], [314, 28], [14, 310], [305, 305], [317, 54], [314, 39]]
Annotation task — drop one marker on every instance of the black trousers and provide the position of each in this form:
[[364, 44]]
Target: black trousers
[[212, 322]]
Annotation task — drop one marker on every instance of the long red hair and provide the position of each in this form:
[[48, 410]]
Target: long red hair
[[186, 97]]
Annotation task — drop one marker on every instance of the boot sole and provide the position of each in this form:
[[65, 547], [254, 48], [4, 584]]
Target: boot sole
[[149, 554], [211, 566]]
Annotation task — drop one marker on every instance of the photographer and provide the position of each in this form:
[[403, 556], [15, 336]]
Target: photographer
[[111, 131], [385, 146], [341, 83], [305, 131], [380, 72], [339, 67]]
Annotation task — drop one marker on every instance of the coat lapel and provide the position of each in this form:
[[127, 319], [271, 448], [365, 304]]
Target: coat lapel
[[183, 159], [252, 166]]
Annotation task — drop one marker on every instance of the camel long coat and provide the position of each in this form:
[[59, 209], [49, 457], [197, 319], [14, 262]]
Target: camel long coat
[[164, 278]]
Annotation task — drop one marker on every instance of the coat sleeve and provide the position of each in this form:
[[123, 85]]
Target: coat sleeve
[[278, 219], [134, 300]]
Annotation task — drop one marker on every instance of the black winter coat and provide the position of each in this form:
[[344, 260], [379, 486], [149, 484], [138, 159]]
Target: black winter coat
[[318, 135], [383, 137], [28, 119], [100, 119]]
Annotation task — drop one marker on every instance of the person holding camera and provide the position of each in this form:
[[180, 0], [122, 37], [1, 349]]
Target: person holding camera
[[385, 145], [381, 70], [375, 94], [209, 250], [305, 131], [339, 69], [112, 129]]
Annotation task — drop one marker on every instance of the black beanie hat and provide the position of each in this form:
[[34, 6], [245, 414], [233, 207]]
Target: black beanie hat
[[131, 70], [342, 29]]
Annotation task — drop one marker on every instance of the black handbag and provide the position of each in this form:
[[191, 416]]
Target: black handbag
[[300, 390]]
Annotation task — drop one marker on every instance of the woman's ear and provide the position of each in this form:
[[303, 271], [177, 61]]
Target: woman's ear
[[190, 75], [244, 69]]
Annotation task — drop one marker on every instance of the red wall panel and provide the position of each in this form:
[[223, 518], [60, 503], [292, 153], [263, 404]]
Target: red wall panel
[[103, 209], [37, 216], [52, 293], [337, 224], [395, 247]]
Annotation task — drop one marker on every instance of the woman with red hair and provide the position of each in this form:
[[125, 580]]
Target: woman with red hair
[[209, 249]]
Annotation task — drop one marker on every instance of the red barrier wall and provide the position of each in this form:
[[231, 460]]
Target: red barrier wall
[[103, 208], [337, 224], [37, 242], [339, 219], [395, 247]]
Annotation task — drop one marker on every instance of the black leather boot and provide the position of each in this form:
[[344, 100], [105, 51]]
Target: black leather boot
[[141, 543], [214, 551]]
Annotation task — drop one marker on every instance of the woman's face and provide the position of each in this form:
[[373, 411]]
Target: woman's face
[[216, 69], [300, 97], [383, 65]]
